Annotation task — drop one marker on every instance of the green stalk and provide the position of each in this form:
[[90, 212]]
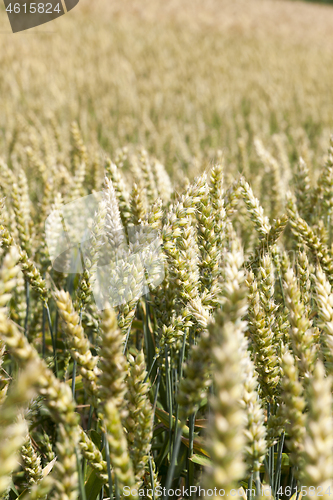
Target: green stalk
[[190, 473], [81, 480], [271, 466], [169, 396], [266, 464], [249, 487], [52, 338], [181, 361], [257, 482], [158, 381], [127, 336], [176, 382], [293, 482], [151, 476], [27, 298], [151, 368], [278, 465], [150, 348], [108, 462], [172, 466], [268, 458], [43, 331]]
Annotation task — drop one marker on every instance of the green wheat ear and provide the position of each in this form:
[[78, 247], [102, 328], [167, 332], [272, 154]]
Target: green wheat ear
[[317, 463], [324, 300], [226, 431]]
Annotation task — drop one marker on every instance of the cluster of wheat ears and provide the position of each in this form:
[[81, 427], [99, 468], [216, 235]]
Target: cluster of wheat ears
[[218, 376]]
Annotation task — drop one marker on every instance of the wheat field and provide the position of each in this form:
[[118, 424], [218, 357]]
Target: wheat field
[[201, 134]]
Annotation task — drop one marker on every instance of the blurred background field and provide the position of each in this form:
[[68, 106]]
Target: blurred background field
[[180, 78]]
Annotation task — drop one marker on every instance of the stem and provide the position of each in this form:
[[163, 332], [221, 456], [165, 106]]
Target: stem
[[151, 368], [52, 338], [43, 331], [293, 483], [271, 460], [249, 487], [148, 335], [127, 336], [107, 455], [169, 396], [151, 472], [157, 389], [278, 465], [81, 481], [27, 299], [257, 483], [171, 469], [181, 360], [190, 474]]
